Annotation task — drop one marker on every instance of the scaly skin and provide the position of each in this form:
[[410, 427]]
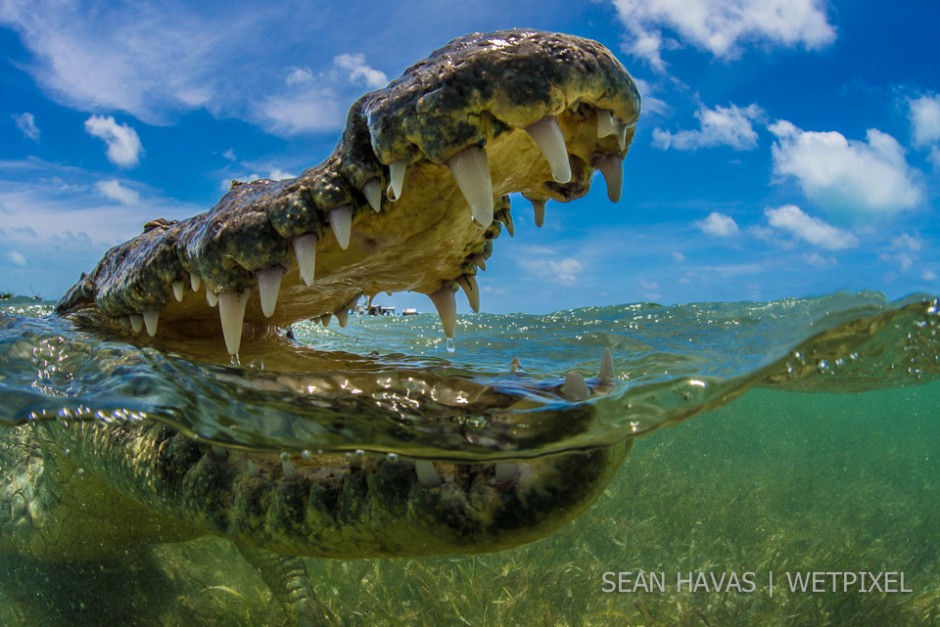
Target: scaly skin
[[480, 90], [87, 491]]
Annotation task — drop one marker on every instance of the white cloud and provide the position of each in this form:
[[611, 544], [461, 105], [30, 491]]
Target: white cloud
[[721, 27], [359, 71], [905, 251], [925, 120], [546, 264], [26, 122], [819, 261], [718, 225], [722, 126], [307, 109], [156, 61], [677, 256], [791, 219], [115, 191], [124, 145], [299, 76], [858, 177], [925, 125], [16, 257]]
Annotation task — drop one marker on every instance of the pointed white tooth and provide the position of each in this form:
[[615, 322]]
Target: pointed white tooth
[[427, 475], [151, 316], [232, 314], [137, 322], [606, 374], [611, 168], [506, 218], [622, 135], [305, 249], [469, 285], [539, 207], [342, 316], [606, 125], [178, 291], [505, 471], [479, 260], [325, 320], [471, 170], [211, 297], [547, 134], [396, 178], [372, 190], [575, 388], [341, 223], [269, 284], [446, 304], [195, 281]]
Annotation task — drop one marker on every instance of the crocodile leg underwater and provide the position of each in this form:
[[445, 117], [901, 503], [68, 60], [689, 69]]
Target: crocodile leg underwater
[[411, 199]]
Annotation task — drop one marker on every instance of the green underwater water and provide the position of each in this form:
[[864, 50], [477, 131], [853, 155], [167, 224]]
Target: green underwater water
[[819, 451], [772, 483]]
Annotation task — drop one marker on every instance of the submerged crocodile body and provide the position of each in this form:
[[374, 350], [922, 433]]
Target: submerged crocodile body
[[411, 199]]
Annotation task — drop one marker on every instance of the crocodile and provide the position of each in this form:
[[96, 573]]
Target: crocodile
[[412, 198]]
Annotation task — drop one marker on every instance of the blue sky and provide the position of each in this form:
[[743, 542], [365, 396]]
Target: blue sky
[[786, 147]]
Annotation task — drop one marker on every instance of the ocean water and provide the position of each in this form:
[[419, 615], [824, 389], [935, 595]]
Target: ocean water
[[776, 441]]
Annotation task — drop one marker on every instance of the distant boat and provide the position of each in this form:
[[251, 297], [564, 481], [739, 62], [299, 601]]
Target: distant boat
[[410, 311], [380, 310]]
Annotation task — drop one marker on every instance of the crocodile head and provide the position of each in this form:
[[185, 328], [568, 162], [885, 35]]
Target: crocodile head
[[412, 198]]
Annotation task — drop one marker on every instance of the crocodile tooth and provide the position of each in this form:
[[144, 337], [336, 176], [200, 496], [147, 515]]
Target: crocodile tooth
[[469, 285], [606, 374], [396, 178], [178, 290], [505, 471], [305, 249], [611, 168], [471, 170], [341, 223], [137, 322], [539, 207], [269, 284], [479, 260], [606, 125], [547, 134], [211, 297], [446, 304], [288, 468], [575, 388], [372, 190], [325, 320], [151, 316], [506, 218], [232, 313], [342, 316], [622, 136], [195, 281], [427, 475]]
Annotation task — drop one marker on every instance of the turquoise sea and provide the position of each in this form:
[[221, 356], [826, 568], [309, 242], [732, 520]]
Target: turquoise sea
[[775, 442]]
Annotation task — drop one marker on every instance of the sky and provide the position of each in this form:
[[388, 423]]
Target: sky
[[786, 148]]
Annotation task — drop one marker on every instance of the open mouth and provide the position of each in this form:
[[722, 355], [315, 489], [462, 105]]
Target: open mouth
[[411, 199]]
